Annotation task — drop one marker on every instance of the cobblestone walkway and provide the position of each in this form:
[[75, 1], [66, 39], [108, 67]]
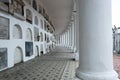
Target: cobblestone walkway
[[58, 66]]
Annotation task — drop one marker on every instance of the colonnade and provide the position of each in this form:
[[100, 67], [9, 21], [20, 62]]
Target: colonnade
[[90, 35]]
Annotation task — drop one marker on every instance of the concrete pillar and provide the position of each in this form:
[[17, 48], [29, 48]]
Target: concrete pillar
[[95, 32]]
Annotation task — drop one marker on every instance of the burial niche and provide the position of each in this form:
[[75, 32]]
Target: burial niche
[[16, 8], [29, 49], [3, 58], [36, 20], [36, 34], [36, 51], [28, 16], [4, 28], [18, 55], [4, 5], [17, 32], [34, 4], [28, 35]]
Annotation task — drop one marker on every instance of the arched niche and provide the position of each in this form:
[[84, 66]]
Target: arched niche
[[36, 51], [34, 4], [18, 55], [17, 32], [28, 16], [36, 34], [36, 20], [28, 34], [41, 36], [41, 24]]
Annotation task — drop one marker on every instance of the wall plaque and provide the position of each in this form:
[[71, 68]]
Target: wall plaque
[[4, 28], [3, 58], [4, 6], [29, 48], [16, 8]]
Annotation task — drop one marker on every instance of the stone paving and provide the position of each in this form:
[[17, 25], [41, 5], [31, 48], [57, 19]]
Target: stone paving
[[56, 66], [60, 66]]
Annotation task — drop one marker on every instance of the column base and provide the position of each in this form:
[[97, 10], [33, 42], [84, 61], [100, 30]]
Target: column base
[[112, 75]]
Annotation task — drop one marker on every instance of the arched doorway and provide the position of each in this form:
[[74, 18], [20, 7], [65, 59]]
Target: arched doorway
[[36, 51], [18, 55]]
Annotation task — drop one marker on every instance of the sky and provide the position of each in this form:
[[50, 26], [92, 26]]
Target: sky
[[116, 13]]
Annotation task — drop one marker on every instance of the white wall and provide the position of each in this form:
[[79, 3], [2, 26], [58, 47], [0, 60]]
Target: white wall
[[12, 43]]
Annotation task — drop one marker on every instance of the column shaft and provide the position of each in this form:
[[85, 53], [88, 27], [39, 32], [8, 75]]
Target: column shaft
[[95, 33]]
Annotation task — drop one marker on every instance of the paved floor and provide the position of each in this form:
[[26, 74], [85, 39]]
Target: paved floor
[[58, 66]]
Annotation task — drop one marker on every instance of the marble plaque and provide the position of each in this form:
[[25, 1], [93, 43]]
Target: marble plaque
[[29, 48], [3, 58], [4, 28]]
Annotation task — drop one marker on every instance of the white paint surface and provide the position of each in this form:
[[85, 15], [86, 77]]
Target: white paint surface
[[18, 56], [95, 33]]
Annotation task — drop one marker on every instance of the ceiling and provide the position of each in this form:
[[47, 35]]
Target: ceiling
[[60, 12]]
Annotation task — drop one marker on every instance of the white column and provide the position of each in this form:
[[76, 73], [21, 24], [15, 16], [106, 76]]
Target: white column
[[67, 38], [73, 35], [74, 32], [63, 39], [77, 33], [70, 36], [60, 39], [95, 32]]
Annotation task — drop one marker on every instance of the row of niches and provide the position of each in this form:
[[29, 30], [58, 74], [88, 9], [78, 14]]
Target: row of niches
[[38, 36], [17, 31], [40, 9], [16, 8], [18, 53]]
